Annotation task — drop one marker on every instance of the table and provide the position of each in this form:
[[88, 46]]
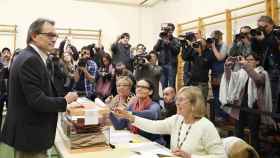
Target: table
[[121, 150]]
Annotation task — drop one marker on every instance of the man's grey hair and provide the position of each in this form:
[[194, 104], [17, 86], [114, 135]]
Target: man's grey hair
[[36, 27]]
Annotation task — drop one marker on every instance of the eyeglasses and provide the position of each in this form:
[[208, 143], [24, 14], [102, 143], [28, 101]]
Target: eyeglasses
[[123, 85], [49, 34], [142, 86]]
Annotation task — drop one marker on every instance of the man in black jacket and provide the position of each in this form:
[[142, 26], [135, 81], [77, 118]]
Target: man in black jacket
[[267, 45], [31, 120], [168, 48], [121, 52]]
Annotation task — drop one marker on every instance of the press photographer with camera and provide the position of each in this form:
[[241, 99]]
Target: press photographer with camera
[[121, 51], [220, 51], [5, 60], [56, 70], [146, 67], [200, 58], [85, 75], [168, 47], [185, 41], [120, 71], [106, 77], [266, 43], [242, 42]]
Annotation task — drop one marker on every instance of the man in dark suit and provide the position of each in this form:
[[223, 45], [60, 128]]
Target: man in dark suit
[[31, 120]]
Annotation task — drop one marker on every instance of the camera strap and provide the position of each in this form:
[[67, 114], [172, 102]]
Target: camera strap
[[265, 56]]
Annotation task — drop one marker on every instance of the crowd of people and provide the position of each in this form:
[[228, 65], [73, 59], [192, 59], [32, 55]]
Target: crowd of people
[[139, 86]]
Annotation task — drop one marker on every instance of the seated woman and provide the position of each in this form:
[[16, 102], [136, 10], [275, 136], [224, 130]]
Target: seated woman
[[192, 135], [143, 106], [124, 84]]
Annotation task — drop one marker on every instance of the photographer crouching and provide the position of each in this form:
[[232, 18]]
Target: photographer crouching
[[146, 67], [85, 75], [168, 47]]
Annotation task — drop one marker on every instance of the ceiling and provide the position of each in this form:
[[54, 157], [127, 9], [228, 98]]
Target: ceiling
[[139, 3]]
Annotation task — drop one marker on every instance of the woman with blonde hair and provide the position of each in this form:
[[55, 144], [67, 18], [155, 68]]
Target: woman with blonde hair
[[192, 135], [124, 94]]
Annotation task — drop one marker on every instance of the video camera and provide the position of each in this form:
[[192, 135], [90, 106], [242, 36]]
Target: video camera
[[141, 59], [165, 28], [276, 32], [257, 31], [196, 44], [188, 36], [240, 36]]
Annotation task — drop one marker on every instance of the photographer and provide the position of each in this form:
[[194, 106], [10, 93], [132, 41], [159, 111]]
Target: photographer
[[140, 49], [55, 67], [248, 88], [96, 51], [186, 41], [121, 51], [219, 52], [4, 76], [242, 42], [265, 42], [146, 67], [106, 74], [120, 71], [85, 75], [168, 48], [201, 60]]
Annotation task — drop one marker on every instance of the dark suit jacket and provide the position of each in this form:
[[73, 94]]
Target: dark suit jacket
[[32, 112]]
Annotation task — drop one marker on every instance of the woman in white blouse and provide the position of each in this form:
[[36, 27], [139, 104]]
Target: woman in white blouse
[[192, 135]]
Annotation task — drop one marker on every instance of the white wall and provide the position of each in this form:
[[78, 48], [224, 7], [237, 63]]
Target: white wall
[[142, 23], [112, 19], [178, 11]]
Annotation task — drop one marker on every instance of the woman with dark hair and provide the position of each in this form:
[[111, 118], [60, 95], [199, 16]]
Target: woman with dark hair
[[106, 74], [69, 69], [143, 106], [248, 88]]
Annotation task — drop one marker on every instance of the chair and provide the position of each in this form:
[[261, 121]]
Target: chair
[[237, 148]]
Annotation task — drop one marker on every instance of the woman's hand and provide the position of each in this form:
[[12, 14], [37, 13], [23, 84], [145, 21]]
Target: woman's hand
[[181, 153], [123, 114]]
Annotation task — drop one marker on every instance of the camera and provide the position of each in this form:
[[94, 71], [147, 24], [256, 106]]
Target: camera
[[188, 36], [196, 44], [104, 74], [276, 31], [141, 59], [210, 40], [165, 28], [235, 59], [257, 31], [240, 36], [82, 63]]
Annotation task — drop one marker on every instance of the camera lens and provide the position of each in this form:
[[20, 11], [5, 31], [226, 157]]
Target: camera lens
[[195, 44], [209, 40]]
